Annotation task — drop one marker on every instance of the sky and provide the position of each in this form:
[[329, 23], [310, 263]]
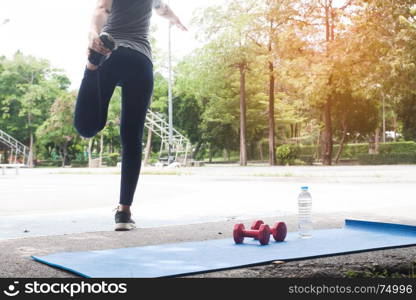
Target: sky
[[58, 29]]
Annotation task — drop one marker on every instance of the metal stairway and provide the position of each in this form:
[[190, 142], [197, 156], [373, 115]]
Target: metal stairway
[[181, 145], [17, 148]]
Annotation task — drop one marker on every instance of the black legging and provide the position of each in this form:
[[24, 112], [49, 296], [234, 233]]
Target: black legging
[[134, 71]]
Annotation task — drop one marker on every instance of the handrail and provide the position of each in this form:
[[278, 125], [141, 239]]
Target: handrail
[[14, 144]]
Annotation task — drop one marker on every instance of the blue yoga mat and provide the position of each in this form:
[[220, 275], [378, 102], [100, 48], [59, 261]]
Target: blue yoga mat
[[196, 257]]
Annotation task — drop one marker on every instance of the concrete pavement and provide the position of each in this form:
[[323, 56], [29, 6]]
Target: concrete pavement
[[49, 210], [16, 262]]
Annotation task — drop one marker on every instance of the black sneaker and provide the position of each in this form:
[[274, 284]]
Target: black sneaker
[[96, 58], [124, 222]]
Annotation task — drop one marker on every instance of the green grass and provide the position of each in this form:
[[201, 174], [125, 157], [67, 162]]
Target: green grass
[[384, 273]]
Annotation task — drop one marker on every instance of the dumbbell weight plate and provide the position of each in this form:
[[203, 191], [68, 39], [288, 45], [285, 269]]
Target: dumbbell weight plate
[[238, 233], [256, 225], [279, 231], [264, 234]]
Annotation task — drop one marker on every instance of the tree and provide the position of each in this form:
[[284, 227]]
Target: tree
[[326, 14], [58, 129], [228, 31], [272, 19], [28, 87]]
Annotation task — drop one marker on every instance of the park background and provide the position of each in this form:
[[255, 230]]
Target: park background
[[270, 92], [282, 82]]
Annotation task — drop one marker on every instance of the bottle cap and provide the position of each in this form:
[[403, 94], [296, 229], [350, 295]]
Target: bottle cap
[[304, 188]]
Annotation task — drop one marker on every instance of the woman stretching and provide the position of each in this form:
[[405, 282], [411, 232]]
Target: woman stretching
[[119, 53]]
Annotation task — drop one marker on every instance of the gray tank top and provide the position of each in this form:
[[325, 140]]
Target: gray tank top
[[129, 23]]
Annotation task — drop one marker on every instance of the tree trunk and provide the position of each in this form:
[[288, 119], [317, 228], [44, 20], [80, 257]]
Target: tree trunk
[[95, 146], [260, 145], [61, 155], [318, 145], [101, 150], [34, 155], [197, 149], [327, 142], [295, 132], [224, 153], [210, 154], [243, 149], [272, 143], [65, 153], [377, 141], [394, 127], [29, 116], [148, 146], [272, 127], [30, 158], [89, 151], [343, 139]]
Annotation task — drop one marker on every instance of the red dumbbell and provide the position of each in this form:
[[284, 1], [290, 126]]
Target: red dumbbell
[[262, 234], [279, 230]]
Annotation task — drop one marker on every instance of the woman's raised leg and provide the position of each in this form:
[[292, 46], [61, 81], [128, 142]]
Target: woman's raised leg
[[94, 96]]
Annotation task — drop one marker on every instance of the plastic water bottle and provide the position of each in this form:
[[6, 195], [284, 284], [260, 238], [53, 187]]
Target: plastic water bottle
[[305, 213]]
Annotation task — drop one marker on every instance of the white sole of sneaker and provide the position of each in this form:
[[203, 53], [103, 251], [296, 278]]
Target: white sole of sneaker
[[125, 226]]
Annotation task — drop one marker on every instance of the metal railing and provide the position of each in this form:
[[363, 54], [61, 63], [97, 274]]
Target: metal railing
[[17, 148], [181, 145]]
